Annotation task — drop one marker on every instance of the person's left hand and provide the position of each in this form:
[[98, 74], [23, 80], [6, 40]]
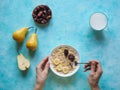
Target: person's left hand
[[41, 73]]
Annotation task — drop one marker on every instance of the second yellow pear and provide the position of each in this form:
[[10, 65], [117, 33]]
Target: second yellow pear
[[32, 42]]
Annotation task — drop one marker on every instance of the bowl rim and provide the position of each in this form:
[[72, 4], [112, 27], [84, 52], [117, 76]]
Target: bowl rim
[[64, 75]]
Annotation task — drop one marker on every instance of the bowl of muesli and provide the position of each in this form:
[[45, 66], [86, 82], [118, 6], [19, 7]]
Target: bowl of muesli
[[63, 60]]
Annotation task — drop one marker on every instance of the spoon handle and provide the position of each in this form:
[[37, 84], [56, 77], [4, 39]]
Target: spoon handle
[[82, 63]]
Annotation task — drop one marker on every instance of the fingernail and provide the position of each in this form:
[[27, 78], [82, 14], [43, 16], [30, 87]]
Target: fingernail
[[92, 73], [48, 63], [93, 63]]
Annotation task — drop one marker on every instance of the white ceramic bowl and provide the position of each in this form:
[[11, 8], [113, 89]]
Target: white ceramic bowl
[[60, 74], [98, 21]]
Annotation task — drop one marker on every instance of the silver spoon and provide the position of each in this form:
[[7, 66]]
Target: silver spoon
[[76, 63]]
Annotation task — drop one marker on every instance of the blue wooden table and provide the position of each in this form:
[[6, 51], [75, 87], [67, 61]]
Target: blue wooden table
[[69, 25]]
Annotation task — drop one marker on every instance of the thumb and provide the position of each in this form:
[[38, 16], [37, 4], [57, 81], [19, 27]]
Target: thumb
[[93, 67], [47, 67]]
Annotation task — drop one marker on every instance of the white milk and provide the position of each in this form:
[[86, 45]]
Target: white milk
[[98, 21]]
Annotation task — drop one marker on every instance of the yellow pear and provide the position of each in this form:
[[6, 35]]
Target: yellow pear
[[23, 63], [32, 42], [19, 35]]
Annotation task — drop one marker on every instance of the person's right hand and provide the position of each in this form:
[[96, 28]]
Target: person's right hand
[[95, 74]]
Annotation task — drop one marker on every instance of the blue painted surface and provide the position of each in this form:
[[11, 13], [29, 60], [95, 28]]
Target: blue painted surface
[[69, 25]]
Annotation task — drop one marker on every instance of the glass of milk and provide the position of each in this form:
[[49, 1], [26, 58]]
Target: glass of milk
[[98, 21]]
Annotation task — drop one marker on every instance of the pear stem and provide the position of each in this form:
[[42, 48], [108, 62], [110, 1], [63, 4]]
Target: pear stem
[[35, 30], [18, 51], [30, 27]]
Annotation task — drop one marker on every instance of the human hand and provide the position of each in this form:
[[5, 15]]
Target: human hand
[[95, 74], [41, 73]]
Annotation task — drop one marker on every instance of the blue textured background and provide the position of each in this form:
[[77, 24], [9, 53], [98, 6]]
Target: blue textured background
[[69, 25]]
